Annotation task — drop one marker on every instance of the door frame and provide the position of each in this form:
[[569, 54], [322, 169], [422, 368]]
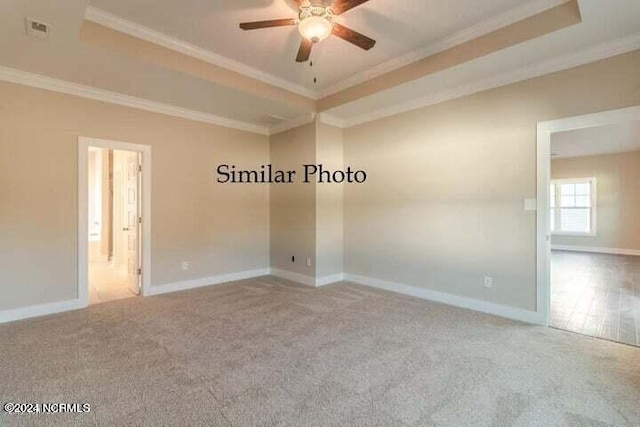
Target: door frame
[[543, 228], [83, 211]]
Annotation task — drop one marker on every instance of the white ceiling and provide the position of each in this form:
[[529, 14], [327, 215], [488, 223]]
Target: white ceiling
[[608, 28], [398, 26], [617, 138]]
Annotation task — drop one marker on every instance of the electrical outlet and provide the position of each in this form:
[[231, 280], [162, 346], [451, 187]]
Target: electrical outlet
[[488, 282], [185, 265], [308, 262]]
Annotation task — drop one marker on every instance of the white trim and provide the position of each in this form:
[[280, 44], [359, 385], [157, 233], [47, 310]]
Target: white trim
[[328, 280], [331, 120], [48, 83], [604, 118], [543, 167], [572, 234], [589, 55], [294, 277], [83, 252], [83, 223], [59, 307], [543, 224], [293, 123], [39, 310], [591, 249], [307, 280], [117, 23], [495, 23], [206, 281], [449, 299], [592, 54]]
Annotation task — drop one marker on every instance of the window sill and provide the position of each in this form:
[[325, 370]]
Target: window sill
[[567, 233]]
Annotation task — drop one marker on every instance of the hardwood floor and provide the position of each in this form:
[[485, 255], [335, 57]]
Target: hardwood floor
[[596, 295]]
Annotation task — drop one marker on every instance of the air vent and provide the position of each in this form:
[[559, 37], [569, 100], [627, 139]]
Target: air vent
[[37, 29]]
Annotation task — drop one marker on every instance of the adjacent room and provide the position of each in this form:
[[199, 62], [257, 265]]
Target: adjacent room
[[595, 226], [113, 178], [320, 213]]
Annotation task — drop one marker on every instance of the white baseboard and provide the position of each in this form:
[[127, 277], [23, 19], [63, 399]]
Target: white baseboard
[[294, 277], [59, 307], [39, 310], [468, 303], [449, 299], [307, 280], [612, 251], [205, 281], [327, 280]]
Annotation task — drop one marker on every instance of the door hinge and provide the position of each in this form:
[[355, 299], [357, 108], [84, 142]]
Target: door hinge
[[139, 168], [139, 272], [139, 220]]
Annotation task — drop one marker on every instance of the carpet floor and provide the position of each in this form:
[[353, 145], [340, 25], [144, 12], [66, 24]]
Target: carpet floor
[[267, 352]]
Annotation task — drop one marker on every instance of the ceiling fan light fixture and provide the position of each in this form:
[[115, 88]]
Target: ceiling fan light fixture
[[315, 23]]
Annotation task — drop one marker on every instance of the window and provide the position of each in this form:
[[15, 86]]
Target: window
[[573, 207]]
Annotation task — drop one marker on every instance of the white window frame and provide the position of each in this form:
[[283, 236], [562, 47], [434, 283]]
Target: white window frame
[[594, 190]]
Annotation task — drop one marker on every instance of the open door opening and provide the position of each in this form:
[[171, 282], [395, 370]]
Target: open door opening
[[589, 224], [114, 224]]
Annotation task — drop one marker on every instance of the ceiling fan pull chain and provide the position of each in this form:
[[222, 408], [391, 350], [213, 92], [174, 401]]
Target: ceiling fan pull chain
[[315, 77]]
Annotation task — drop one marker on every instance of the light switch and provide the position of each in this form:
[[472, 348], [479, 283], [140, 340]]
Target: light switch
[[530, 205]]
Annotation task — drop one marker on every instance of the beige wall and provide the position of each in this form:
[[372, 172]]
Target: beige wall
[[329, 202], [618, 198], [306, 218], [219, 228], [293, 206], [443, 205]]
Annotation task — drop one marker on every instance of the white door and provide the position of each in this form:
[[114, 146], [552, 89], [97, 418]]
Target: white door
[[132, 221]]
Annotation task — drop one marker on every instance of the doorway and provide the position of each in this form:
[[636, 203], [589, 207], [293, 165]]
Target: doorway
[[113, 220], [589, 225]]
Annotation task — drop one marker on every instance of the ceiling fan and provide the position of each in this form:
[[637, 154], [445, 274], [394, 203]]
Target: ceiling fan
[[315, 23]]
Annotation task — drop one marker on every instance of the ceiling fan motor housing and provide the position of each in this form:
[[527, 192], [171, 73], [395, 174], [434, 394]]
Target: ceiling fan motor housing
[[315, 22]]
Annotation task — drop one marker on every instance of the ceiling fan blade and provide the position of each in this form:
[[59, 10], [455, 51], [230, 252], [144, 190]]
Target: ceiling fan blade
[[354, 37], [341, 6], [267, 24], [305, 50]]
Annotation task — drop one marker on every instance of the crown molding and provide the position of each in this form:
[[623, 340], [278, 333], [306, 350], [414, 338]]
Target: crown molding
[[512, 16], [331, 120], [592, 54], [495, 23], [293, 123], [133, 29], [325, 118], [43, 82]]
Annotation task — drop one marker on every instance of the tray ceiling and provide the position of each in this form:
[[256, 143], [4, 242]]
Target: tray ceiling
[[398, 27]]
